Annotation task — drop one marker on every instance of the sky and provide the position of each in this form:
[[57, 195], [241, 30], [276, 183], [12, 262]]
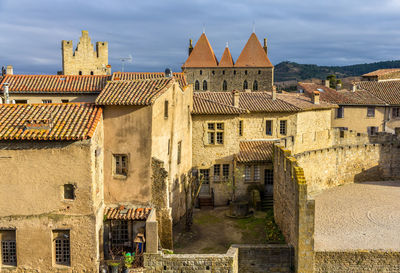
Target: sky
[[157, 33]]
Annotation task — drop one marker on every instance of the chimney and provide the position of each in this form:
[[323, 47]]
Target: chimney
[[236, 96], [10, 70], [6, 94], [354, 87], [315, 97], [190, 46], [274, 92], [327, 83], [338, 86], [265, 46]]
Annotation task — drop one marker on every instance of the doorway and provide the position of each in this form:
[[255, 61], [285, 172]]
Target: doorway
[[269, 181]]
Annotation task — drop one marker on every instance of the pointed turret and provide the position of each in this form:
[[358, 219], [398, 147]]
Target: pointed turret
[[226, 59], [202, 54], [253, 54]]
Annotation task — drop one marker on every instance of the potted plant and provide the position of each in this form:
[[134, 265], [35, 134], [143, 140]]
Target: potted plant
[[128, 261]]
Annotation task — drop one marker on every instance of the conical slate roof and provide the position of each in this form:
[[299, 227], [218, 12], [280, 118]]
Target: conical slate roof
[[226, 59], [202, 54], [253, 54]]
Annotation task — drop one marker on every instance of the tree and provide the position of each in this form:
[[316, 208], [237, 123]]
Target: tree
[[333, 81], [192, 185]]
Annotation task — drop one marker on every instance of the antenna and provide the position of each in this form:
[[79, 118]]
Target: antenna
[[126, 59]]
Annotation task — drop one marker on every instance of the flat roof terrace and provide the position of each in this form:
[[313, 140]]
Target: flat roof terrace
[[358, 216]]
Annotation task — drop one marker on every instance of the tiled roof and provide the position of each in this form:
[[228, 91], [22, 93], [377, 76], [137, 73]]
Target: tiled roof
[[55, 83], [202, 54], [140, 92], [123, 213], [255, 151], [129, 76], [204, 106], [53, 121], [303, 102], [381, 72], [253, 54], [346, 97], [263, 102], [388, 91], [226, 59]]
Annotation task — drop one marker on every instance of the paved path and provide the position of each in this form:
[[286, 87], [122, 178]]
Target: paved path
[[358, 216]]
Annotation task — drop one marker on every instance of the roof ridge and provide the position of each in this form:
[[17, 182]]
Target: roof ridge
[[220, 103]]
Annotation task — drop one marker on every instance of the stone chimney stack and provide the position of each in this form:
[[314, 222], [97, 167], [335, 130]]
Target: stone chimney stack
[[190, 46], [327, 83], [354, 87], [10, 70], [265, 46], [315, 97], [274, 92], [236, 97]]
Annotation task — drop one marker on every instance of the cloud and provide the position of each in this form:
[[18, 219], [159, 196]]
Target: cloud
[[156, 33]]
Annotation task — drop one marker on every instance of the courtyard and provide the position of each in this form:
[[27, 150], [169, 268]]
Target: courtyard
[[358, 216], [214, 232]]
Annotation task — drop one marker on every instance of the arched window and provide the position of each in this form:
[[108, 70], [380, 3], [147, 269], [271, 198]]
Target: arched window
[[234, 72], [91, 73], [224, 86], [255, 85], [80, 72], [259, 72], [204, 85], [197, 85], [245, 85], [201, 72], [245, 72], [223, 72]]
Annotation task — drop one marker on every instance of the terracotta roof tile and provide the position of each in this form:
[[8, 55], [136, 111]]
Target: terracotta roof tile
[[130, 76], [55, 83], [255, 151], [226, 59], [139, 92], [381, 72], [127, 213], [388, 91], [204, 106], [253, 54], [61, 121], [202, 54]]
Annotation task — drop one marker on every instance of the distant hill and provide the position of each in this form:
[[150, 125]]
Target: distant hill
[[289, 71]]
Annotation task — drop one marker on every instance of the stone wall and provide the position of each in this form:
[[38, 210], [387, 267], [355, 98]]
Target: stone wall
[[188, 263], [265, 258], [293, 212], [357, 261]]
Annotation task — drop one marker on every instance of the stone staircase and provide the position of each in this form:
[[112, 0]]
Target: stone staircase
[[267, 202], [206, 202]]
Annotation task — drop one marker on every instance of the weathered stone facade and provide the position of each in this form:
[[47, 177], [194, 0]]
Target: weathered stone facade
[[84, 60]]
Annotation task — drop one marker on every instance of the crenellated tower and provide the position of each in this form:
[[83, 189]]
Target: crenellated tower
[[84, 60]]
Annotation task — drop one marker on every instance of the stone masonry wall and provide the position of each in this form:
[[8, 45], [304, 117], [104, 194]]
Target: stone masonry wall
[[357, 261], [265, 258]]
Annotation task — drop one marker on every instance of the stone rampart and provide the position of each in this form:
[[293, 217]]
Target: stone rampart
[[357, 261]]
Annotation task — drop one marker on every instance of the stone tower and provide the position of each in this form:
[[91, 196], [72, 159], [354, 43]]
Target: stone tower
[[84, 60]]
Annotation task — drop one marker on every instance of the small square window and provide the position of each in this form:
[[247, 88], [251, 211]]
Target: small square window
[[220, 126], [395, 112], [340, 112], [211, 126], [64, 101], [69, 191], [371, 112], [8, 247], [61, 247], [121, 164]]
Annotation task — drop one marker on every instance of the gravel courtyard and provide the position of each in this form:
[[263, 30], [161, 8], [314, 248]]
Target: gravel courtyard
[[358, 216]]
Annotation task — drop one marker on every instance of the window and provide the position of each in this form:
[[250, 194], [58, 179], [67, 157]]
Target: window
[[340, 112], [21, 101], [245, 72], [46, 101], [62, 247], [8, 247], [169, 146], [247, 173], [225, 171], [245, 85], [204, 85], [205, 175], [121, 164], [217, 172], [80, 72], [201, 72], [255, 85], [119, 232], [256, 172], [64, 101], [372, 130], [91, 73], [215, 133], [213, 72], [259, 72], [282, 127], [371, 111], [268, 127], [166, 109], [223, 72], [240, 127], [179, 152], [69, 191], [234, 72], [224, 86], [396, 112], [197, 85]]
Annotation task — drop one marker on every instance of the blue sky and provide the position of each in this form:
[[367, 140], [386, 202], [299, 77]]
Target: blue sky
[[156, 33]]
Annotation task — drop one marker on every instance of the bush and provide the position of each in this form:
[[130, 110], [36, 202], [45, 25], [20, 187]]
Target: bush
[[274, 234]]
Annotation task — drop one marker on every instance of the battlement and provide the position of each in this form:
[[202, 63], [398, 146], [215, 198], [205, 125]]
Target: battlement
[[84, 60]]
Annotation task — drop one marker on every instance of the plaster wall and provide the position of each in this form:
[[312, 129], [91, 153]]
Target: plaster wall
[[355, 118], [55, 98]]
